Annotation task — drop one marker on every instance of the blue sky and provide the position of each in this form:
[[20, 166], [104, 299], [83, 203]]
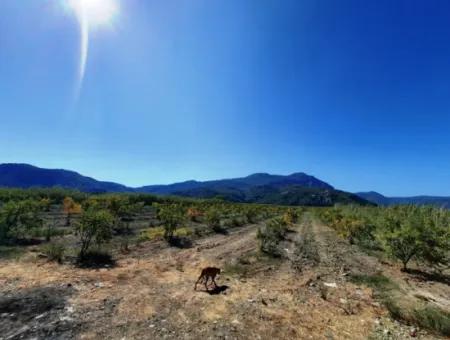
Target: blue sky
[[353, 92]]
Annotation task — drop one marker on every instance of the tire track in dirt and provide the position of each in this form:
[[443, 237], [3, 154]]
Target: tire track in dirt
[[337, 256]]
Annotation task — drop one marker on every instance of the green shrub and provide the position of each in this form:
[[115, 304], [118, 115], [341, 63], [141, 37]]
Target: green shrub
[[94, 226], [434, 319], [54, 252], [270, 236], [171, 216], [213, 219]]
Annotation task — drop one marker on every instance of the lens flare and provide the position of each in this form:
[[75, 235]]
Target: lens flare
[[91, 15]]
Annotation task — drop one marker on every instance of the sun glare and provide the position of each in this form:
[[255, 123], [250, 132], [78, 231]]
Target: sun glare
[[91, 15], [95, 13]]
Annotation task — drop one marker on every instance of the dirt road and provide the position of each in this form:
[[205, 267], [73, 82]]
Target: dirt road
[[150, 293]]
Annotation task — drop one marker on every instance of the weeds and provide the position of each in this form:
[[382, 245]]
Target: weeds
[[54, 252], [403, 308]]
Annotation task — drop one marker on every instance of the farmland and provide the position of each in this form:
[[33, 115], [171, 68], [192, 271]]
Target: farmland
[[115, 266]]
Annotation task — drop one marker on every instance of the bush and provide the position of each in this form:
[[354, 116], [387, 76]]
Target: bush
[[17, 219], [171, 216], [213, 219], [54, 252], [433, 318], [270, 236], [94, 226], [404, 232]]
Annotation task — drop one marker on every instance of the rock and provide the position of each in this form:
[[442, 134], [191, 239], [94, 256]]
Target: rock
[[40, 316]]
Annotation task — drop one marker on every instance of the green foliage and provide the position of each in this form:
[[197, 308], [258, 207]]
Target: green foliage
[[54, 252], [17, 219], [270, 236], [401, 308], [251, 213], [94, 226], [171, 216], [212, 217], [434, 319], [123, 210], [404, 232]]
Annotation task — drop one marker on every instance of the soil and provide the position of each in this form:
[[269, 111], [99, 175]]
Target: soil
[[149, 294]]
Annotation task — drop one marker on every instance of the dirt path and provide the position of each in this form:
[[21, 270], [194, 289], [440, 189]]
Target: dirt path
[[150, 295]]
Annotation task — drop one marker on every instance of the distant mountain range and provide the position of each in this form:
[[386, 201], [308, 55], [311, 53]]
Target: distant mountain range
[[295, 189], [380, 199]]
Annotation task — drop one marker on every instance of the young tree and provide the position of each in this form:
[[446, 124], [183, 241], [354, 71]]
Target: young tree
[[213, 218], [18, 218], [123, 211], [70, 207], [94, 226], [251, 213], [171, 216], [402, 234]]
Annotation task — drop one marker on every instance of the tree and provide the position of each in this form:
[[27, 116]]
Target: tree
[[123, 211], [402, 234], [251, 213], [213, 218], [70, 207], [435, 251], [18, 218], [271, 235], [193, 214], [171, 217], [94, 225]]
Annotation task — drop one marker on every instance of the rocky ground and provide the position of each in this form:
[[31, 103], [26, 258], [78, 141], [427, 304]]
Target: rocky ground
[[150, 293]]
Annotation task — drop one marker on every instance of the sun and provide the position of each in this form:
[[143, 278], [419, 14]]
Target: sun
[[95, 13]]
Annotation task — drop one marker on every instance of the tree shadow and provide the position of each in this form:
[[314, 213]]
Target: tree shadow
[[95, 259], [181, 242], [426, 276], [220, 230]]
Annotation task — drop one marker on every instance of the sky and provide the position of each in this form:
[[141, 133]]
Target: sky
[[353, 92]]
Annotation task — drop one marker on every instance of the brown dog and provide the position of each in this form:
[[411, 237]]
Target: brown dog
[[208, 273]]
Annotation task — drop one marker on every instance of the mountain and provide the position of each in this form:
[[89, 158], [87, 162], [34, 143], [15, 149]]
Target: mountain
[[27, 176], [379, 199], [295, 189], [243, 183]]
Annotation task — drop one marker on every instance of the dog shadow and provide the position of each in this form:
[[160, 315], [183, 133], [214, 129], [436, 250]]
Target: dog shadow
[[216, 290]]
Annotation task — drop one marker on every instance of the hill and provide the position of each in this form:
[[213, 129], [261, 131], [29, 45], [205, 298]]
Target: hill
[[243, 183], [295, 189], [28, 176], [380, 199]]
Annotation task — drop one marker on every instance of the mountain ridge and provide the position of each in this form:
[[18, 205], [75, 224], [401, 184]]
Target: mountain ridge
[[295, 189], [380, 199]]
